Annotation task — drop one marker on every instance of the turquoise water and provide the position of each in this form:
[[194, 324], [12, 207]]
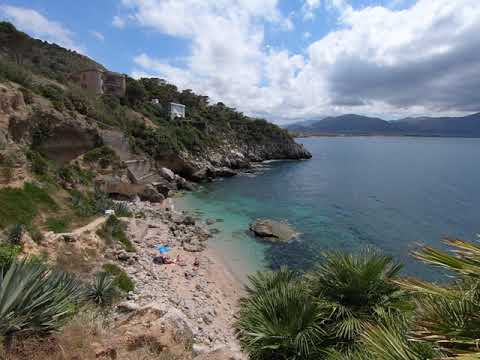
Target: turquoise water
[[388, 193]]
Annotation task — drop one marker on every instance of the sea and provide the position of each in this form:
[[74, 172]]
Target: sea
[[391, 194]]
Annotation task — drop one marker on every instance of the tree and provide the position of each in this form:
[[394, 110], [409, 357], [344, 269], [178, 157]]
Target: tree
[[135, 92]]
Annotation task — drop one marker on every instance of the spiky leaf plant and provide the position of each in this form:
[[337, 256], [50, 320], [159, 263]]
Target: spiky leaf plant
[[103, 290], [35, 299], [278, 319], [355, 292]]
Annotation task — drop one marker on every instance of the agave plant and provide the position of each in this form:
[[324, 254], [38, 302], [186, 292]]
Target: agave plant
[[355, 292], [35, 299], [102, 291], [450, 315], [278, 318]]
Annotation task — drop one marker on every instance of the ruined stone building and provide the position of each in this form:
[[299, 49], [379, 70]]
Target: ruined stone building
[[101, 82]]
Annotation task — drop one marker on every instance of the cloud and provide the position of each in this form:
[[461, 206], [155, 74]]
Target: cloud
[[420, 60], [98, 35], [309, 8], [424, 55], [33, 22], [118, 22]]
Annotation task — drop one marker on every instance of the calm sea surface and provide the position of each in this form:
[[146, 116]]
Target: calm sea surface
[[356, 192]]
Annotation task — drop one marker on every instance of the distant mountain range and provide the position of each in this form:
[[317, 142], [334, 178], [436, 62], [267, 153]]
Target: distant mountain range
[[351, 124]]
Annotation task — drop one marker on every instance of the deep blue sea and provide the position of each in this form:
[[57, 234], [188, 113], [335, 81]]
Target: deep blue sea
[[384, 192]]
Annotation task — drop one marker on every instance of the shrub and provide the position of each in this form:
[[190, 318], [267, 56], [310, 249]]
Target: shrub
[[121, 210], [36, 234], [35, 299], [16, 234], [104, 156], [102, 291], [82, 204], [74, 174], [121, 279], [7, 164], [16, 73], [114, 230], [57, 225], [8, 253], [38, 164], [54, 93]]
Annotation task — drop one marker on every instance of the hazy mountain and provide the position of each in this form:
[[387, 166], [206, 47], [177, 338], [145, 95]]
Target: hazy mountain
[[351, 124]]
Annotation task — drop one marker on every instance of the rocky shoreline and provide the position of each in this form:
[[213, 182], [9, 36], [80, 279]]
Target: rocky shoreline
[[198, 288]]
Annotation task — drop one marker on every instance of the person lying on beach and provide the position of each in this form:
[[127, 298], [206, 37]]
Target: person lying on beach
[[163, 260], [167, 260]]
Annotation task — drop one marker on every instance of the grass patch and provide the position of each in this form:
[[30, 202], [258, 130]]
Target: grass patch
[[114, 230], [122, 280], [20, 206], [58, 225]]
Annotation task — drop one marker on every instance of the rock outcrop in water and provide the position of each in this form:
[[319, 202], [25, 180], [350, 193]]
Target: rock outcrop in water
[[274, 231]]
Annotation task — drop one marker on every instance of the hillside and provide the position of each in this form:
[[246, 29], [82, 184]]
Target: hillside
[[468, 126], [213, 135]]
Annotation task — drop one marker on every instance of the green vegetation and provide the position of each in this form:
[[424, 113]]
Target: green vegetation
[[356, 307], [35, 299], [7, 165], [121, 279], [74, 174], [104, 156], [341, 299], [90, 204], [20, 206], [102, 291], [38, 164], [8, 253], [278, 319], [58, 225], [114, 230], [15, 234]]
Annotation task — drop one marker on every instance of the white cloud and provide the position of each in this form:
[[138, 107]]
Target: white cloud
[[417, 61], [98, 35], [309, 8], [33, 22], [118, 22]]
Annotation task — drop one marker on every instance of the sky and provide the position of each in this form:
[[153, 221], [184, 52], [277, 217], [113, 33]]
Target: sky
[[284, 60]]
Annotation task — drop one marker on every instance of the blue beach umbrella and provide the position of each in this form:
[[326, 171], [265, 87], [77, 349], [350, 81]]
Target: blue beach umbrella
[[163, 249]]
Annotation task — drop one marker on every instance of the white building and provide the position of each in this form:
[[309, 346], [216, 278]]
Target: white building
[[177, 111]]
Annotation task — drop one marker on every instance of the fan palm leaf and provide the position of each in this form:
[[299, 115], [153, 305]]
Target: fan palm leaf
[[357, 291], [278, 319]]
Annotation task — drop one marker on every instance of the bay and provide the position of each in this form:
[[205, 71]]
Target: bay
[[389, 193]]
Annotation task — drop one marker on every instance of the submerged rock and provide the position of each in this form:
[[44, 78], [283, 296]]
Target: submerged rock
[[275, 231]]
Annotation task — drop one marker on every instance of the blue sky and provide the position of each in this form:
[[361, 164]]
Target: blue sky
[[281, 59]]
